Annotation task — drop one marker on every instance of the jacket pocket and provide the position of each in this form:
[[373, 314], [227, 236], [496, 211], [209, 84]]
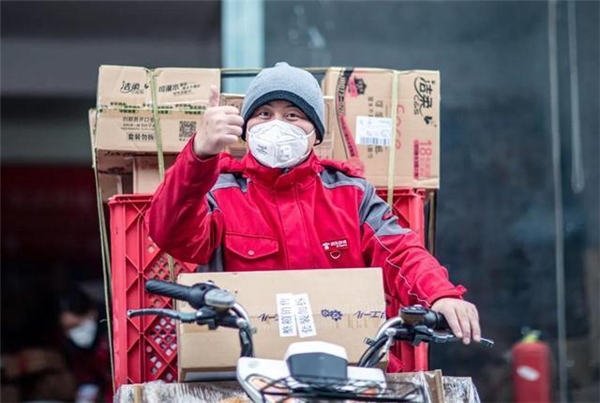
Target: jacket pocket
[[247, 249]]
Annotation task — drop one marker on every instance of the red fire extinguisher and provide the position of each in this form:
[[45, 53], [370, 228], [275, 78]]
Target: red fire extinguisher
[[531, 370]]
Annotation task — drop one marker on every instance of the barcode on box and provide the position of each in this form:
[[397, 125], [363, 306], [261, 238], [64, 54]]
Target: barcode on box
[[373, 131], [371, 141]]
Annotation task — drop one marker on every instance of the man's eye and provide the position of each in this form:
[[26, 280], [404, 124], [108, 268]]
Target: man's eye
[[264, 114]]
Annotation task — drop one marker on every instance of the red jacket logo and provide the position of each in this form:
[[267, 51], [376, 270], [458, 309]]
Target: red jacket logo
[[335, 246]]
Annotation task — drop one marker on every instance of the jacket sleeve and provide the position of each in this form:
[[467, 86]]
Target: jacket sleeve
[[183, 219], [411, 274]]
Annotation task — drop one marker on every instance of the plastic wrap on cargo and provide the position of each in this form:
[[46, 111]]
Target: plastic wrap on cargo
[[460, 390], [440, 389], [429, 382], [435, 388], [161, 392]]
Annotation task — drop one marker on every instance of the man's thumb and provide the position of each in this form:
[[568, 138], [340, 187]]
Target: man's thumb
[[213, 100]]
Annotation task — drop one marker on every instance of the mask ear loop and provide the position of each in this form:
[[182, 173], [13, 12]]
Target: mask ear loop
[[308, 148]]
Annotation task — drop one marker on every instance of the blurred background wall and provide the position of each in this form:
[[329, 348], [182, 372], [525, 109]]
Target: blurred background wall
[[496, 228]]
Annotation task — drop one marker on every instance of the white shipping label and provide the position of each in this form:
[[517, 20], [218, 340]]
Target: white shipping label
[[304, 317], [373, 131], [285, 313]]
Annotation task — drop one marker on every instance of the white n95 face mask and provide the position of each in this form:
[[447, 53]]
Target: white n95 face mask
[[84, 335], [278, 144]]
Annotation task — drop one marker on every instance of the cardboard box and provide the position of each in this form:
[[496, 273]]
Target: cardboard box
[[235, 100], [345, 319], [432, 383], [114, 168], [115, 174], [145, 172], [111, 185], [125, 119], [364, 101]]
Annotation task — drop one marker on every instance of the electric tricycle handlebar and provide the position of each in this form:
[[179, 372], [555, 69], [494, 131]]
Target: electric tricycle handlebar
[[414, 324], [213, 306]]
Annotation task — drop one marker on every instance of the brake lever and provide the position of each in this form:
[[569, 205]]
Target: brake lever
[[449, 337], [443, 338], [486, 342]]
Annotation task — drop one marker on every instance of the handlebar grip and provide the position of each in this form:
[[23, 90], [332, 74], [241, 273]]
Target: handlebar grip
[[435, 321], [168, 289]]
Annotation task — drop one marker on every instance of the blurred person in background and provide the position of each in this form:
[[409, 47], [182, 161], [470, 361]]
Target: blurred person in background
[[33, 364], [282, 207], [85, 341]]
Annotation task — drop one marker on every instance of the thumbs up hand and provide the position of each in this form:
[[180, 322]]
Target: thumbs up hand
[[220, 126]]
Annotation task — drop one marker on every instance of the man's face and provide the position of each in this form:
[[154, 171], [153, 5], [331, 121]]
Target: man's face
[[284, 111]]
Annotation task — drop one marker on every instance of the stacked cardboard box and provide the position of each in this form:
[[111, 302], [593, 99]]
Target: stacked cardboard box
[[385, 121], [366, 103], [122, 126], [128, 97], [123, 132]]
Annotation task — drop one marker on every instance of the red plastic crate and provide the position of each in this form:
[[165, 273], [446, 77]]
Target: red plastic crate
[[145, 348], [409, 206]]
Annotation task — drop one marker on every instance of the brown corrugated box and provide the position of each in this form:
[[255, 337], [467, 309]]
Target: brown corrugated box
[[145, 172], [344, 321], [125, 119], [364, 100], [114, 171], [358, 110]]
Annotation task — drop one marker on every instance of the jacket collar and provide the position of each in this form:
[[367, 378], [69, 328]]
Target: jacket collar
[[276, 178]]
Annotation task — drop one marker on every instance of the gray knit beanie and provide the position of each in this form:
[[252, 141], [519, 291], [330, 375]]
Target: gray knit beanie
[[284, 82]]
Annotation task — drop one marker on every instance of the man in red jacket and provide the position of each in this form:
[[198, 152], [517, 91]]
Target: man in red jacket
[[283, 208]]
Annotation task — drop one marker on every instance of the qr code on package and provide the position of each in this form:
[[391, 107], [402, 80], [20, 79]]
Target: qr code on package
[[187, 128]]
